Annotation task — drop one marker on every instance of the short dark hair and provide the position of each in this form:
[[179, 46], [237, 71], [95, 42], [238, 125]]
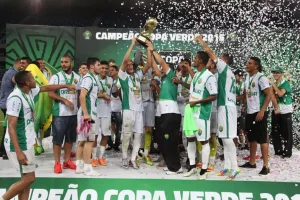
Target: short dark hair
[[229, 58], [17, 60], [203, 56], [187, 60], [257, 62], [104, 62], [67, 56], [115, 67], [36, 63], [28, 60], [111, 60], [21, 77], [91, 61], [84, 63], [39, 59]]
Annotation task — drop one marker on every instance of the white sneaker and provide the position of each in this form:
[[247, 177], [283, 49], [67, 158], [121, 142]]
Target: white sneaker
[[190, 172], [88, 171], [202, 177], [125, 163], [174, 173], [165, 169]]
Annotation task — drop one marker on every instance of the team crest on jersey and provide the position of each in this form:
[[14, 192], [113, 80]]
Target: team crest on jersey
[[167, 136], [253, 84], [200, 80], [108, 85], [189, 82], [137, 79], [118, 85], [221, 128], [75, 81], [199, 132]]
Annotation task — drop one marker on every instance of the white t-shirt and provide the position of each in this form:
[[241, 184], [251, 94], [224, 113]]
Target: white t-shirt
[[91, 84], [116, 104], [60, 109], [256, 85], [131, 90], [21, 107], [226, 85], [103, 107]]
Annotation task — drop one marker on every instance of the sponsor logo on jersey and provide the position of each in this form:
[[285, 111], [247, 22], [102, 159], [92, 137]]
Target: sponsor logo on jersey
[[199, 132], [253, 84], [220, 128]]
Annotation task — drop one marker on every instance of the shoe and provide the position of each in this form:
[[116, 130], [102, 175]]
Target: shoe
[[203, 176], [134, 164], [233, 175], [125, 163], [40, 150], [79, 167], [210, 167], [57, 168], [148, 160], [162, 163], [248, 158], [108, 148], [192, 170], [174, 173], [73, 155], [265, 171], [88, 171], [222, 157], [69, 165], [166, 169], [36, 153], [284, 155], [248, 165], [116, 148], [199, 164], [223, 172], [102, 161], [5, 157], [95, 163]]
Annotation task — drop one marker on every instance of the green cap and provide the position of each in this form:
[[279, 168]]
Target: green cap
[[278, 69]]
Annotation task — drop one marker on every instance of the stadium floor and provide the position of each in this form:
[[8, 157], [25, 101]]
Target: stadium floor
[[282, 170]]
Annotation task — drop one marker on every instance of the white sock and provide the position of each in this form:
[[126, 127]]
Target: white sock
[[136, 145], [205, 155], [102, 151], [146, 152], [230, 148], [39, 141], [191, 149], [79, 162], [200, 155], [212, 160], [98, 151], [125, 144], [94, 152]]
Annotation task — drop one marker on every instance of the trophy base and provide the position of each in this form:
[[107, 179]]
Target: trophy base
[[142, 40]]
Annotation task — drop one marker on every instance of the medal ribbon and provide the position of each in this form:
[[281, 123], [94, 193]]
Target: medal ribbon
[[186, 79], [65, 77], [133, 80], [250, 82], [104, 88], [30, 102]]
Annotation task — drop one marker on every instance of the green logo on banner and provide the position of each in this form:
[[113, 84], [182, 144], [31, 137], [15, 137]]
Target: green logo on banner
[[167, 136], [87, 35]]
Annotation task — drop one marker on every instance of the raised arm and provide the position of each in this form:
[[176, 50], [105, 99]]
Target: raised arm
[[48, 88], [160, 60], [206, 48], [127, 56]]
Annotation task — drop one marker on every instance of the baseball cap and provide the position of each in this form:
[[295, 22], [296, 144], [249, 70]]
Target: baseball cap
[[278, 69]]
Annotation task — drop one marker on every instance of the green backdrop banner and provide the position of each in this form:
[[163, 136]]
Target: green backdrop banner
[[47, 42], [154, 189]]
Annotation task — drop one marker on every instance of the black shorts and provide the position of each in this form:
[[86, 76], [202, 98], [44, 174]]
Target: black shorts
[[241, 123], [64, 127], [257, 131]]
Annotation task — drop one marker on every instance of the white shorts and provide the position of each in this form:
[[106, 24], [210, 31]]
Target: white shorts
[[23, 169], [227, 123], [149, 114], [133, 121], [203, 133], [103, 126], [213, 122], [91, 137]]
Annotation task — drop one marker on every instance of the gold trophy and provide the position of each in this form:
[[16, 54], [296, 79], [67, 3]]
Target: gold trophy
[[148, 29]]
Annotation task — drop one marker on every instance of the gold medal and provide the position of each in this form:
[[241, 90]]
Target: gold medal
[[134, 88], [249, 93], [71, 92]]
